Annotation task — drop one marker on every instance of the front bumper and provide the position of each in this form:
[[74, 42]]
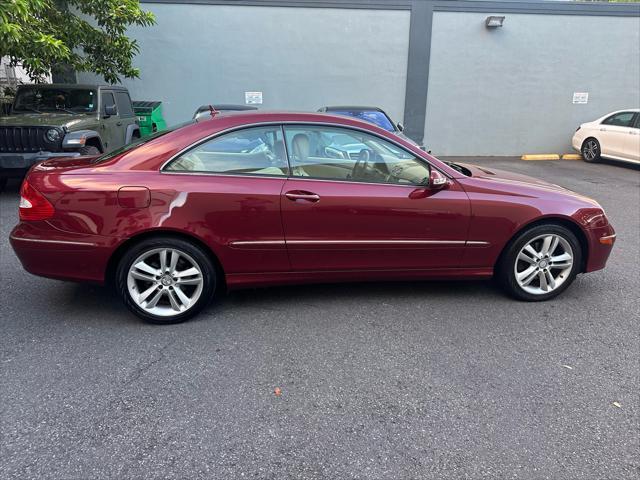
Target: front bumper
[[48, 252], [576, 142], [14, 163], [601, 241]]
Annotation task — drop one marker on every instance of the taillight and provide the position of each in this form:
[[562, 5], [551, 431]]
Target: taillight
[[33, 205]]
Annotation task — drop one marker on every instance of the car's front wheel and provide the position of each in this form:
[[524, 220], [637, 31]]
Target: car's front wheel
[[540, 263], [591, 150], [89, 150], [165, 280]]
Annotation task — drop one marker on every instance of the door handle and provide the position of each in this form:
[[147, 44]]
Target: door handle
[[302, 195], [631, 132], [603, 129]]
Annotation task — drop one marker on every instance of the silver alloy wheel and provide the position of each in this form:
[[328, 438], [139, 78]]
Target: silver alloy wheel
[[590, 150], [543, 264], [165, 282]]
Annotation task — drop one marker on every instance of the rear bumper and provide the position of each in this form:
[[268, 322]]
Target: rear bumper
[[48, 252], [601, 241], [14, 164]]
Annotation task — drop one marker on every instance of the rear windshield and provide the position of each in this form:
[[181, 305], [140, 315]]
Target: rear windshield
[[54, 99], [371, 116], [135, 144]]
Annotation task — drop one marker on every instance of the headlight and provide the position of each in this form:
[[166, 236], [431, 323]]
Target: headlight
[[53, 135]]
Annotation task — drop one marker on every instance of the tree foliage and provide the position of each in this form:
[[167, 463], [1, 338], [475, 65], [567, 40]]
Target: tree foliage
[[85, 35]]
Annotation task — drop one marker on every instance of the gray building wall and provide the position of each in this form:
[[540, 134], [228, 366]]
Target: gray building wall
[[300, 58], [509, 91]]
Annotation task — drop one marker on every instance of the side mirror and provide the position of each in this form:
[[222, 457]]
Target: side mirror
[[400, 127], [110, 110], [437, 181]]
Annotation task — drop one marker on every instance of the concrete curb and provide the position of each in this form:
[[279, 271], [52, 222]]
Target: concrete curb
[[551, 156], [541, 156]]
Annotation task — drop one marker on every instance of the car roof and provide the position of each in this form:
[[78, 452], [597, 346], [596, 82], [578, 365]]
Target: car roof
[[353, 108], [226, 106], [154, 153], [193, 132], [226, 120]]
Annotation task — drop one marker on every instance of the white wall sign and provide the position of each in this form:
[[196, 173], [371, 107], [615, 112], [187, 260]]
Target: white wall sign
[[580, 97], [253, 98]]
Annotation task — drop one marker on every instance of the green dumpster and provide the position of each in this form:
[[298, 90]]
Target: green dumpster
[[149, 116]]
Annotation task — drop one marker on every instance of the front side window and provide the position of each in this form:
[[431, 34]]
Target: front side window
[[623, 119], [53, 99], [250, 151], [107, 100], [343, 154]]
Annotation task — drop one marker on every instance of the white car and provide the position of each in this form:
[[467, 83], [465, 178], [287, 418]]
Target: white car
[[615, 136]]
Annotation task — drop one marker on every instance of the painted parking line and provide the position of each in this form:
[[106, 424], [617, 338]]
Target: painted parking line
[[541, 156]]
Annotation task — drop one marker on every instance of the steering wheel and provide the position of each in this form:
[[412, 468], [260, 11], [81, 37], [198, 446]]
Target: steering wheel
[[363, 158]]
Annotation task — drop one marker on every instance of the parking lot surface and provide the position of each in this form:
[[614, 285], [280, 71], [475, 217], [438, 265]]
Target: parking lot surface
[[377, 381]]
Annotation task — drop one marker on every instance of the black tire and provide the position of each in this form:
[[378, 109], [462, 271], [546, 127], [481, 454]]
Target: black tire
[[590, 150], [3, 183], [505, 271], [89, 150], [204, 263]]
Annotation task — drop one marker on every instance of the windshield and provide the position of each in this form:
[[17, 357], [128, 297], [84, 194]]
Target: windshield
[[48, 99], [460, 168], [371, 116]]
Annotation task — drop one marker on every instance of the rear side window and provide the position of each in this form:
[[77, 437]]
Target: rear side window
[[124, 104], [250, 151], [622, 119]]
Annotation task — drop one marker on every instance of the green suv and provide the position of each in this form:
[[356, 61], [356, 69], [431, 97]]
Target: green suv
[[57, 120]]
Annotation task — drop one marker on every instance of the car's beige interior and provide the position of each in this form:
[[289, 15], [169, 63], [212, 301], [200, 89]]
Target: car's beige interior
[[390, 169], [379, 167], [226, 162]]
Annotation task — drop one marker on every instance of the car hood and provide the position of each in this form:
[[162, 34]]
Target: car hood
[[523, 184], [510, 178], [47, 119]]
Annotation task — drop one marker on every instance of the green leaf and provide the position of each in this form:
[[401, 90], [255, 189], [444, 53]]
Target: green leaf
[[87, 35]]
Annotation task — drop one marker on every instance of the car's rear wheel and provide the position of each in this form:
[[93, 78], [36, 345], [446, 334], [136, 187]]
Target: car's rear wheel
[[591, 150], [165, 280], [540, 263]]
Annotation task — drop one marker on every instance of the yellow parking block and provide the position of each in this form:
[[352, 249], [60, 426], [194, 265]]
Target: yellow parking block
[[571, 156], [541, 156]]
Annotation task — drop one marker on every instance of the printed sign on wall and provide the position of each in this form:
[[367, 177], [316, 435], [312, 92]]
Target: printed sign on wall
[[580, 97], [253, 98]]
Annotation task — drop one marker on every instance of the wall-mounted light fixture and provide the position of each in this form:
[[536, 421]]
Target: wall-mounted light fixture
[[494, 22]]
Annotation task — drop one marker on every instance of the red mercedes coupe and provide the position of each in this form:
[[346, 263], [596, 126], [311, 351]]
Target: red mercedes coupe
[[257, 198]]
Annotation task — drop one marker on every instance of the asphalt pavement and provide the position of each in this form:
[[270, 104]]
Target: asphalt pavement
[[376, 381]]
